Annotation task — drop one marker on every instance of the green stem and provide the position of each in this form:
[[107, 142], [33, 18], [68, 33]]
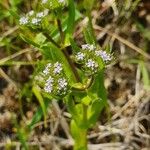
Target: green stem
[[51, 39], [66, 53], [79, 133], [81, 142], [60, 30], [74, 70], [85, 107]]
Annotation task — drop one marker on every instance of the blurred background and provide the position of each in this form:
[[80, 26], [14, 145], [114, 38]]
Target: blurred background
[[125, 125]]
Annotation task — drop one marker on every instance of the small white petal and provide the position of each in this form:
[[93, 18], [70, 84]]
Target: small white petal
[[104, 55], [35, 21], [57, 68], [46, 11], [46, 70], [80, 56], [23, 20], [49, 85], [40, 14], [91, 64], [30, 13], [62, 84]]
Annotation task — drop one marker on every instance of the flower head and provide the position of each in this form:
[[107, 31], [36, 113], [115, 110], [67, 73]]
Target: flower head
[[62, 84], [104, 55], [23, 20], [49, 85], [35, 21], [33, 18], [30, 13], [54, 81], [91, 64], [40, 15], [80, 56], [46, 70], [57, 68]]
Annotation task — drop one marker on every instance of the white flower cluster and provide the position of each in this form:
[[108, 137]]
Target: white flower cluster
[[23, 20], [91, 64], [80, 56], [55, 82], [46, 70], [49, 85], [33, 18], [88, 58], [104, 55], [57, 68], [62, 85]]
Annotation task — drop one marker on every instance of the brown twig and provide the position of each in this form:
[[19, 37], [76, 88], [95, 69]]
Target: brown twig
[[124, 41]]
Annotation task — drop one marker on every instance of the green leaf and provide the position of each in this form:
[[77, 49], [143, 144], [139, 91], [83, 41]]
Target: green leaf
[[74, 46], [94, 111], [29, 41], [88, 4], [54, 29], [145, 75], [39, 97], [51, 52], [22, 133], [38, 115], [88, 35], [74, 129], [71, 21], [98, 86], [86, 100], [40, 38], [71, 106], [79, 136]]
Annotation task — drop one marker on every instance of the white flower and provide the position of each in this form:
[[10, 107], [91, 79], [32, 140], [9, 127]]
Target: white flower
[[45, 12], [80, 56], [23, 20], [88, 47], [91, 64], [30, 13], [62, 84], [44, 1], [50, 80], [57, 68], [49, 85], [46, 70], [104, 55], [40, 14], [35, 21]]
